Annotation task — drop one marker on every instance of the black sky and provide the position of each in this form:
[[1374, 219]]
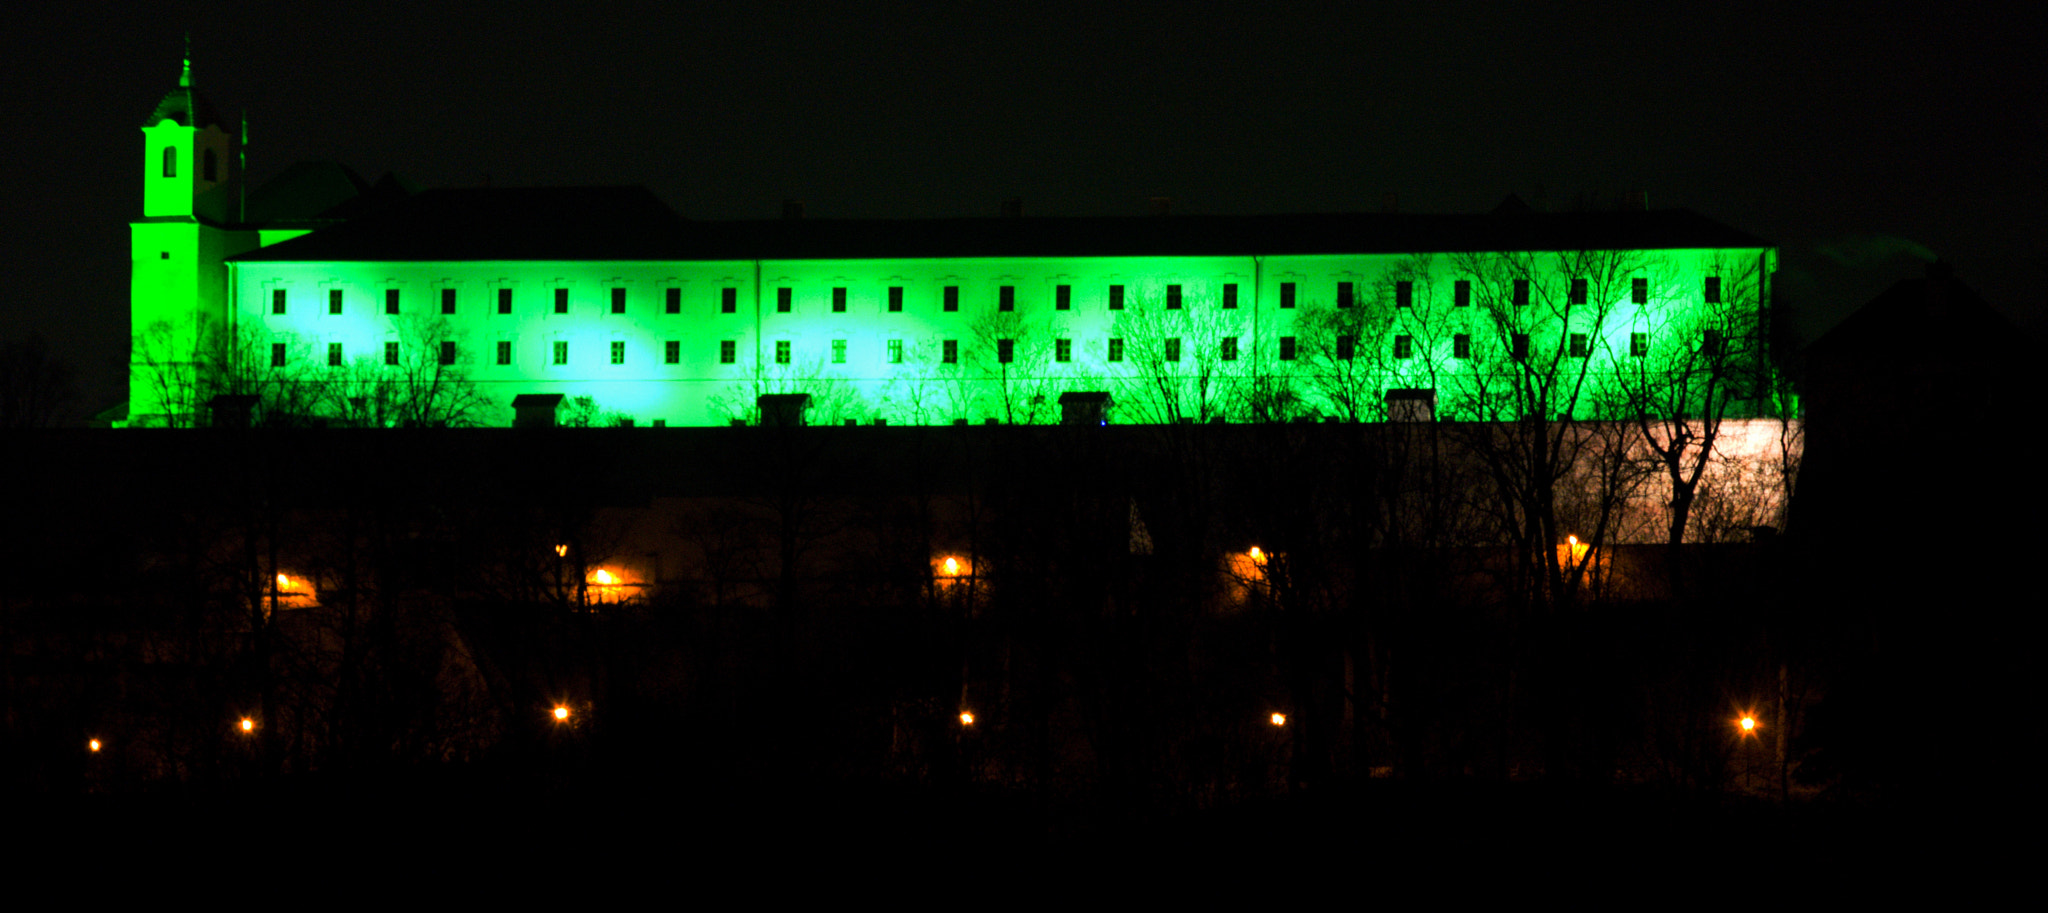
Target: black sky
[[1851, 134]]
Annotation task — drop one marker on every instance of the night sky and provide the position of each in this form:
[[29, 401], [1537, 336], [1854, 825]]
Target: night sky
[[1856, 136]]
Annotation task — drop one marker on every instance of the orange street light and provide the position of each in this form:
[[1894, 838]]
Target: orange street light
[[248, 725], [1748, 724], [1256, 554], [561, 551], [966, 717], [93, 745], [1278, 719], [561, 713]]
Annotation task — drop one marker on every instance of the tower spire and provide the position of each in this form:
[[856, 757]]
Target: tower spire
[[185, 77]]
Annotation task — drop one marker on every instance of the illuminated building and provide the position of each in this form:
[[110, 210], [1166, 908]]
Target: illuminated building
[[359, 298]]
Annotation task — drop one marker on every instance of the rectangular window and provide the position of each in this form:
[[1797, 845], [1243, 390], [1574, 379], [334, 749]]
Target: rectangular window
[[672, 352], [1173, 297], [1006, 350], [785, 299], [391, 353], [1286, 294], [1173, 349], [618, 352], [728, 352], [561, 351], [1714, 346], [1461, 293], [839, 300], [1521, 292], [1461, 345], [618, 300], [504, 301], [390, 301], [1229, 348], [782, 352], [1713, 291], [561, 301], [1006, 298], [895, 299], [1638, 345], [1579, 345], [334, 355], [1062, 350], [895, 351], [1230, 296], [1286, 348], [1404, 346], [672, 300], [334, 301], [949, 352], [277, 355], [1116, 350], [1521, 346], [1343, 294], [1578, 291], [952, 296], [277, 301], [839, 351], [1116, 297], [1062, 297], [447, 301], [504, 352], [729, 301], [447, 353], [1404, 293], [1347, 347], [1639, 291]]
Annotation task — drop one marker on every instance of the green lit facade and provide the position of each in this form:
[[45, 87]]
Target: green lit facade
[[605, 294]]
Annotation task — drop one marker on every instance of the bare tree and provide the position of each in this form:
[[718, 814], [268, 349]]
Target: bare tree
[[36, 390]]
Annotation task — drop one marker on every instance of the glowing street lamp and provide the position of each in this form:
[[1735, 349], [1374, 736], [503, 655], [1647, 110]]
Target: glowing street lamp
[[1748, 724], [93, 745], [247, 725], [561, 551], [561, 713], [1278, 719], [966, 717]]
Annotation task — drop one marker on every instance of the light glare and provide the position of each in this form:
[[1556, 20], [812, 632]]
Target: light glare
[[966, 717], [561, 713], [93, 745], [248, 725], [1278, 719]]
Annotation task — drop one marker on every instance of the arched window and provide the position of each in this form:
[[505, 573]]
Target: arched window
[[170, 161], [209, 166]]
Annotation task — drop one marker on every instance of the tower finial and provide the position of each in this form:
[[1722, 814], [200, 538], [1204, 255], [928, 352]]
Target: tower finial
[[185, 77]]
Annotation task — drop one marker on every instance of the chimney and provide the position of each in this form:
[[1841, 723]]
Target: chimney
[[1162, 206], [792, 210], [1636, 201], [1013, 208]]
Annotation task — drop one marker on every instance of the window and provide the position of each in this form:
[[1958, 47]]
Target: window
[[1230, 296], [1286, 348], [1713, 291], [1116, 297], [1714, 346], [618, 300], [728, 301], [1347, 347], [1173, 349], [277, 355], [1639, 290], [949, 352], [1578, 291], [839, 300], [1062, 350], [390, 301], [1521, 292], [170, 161], [1287, 294], [504, 352], [1521, 346], [1063, 297], [672, 352], [1461, 345], [1116, 350], [1579, 345], [277, 301], [561, 351], [1006, 298], [952, 298], [561, 301], [391, 353], [1006, 350], [1461, 293], [895, 299], [839, 351], [209, 166], [784, 299], [618, 352], [447, 301], [1229, 352], [334, 355], [1343, 294], [895, 351], [1404, 347], [447, 352], [334, 301], [504, 301], [672, 300], [728, 351], [1173, 297], [1638, 344], [782, 351], [1404, 294]]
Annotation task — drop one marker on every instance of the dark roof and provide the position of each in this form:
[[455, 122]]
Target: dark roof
[[184, 106], [629, 223]]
